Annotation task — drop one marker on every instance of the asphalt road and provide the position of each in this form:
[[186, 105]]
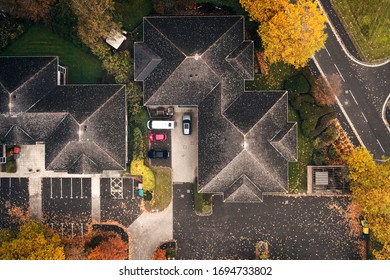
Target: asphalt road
[[365, 88]]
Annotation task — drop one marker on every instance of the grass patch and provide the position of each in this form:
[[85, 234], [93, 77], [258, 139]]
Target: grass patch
[[39, 40], [278, 73], [138, 167], [202, 202], [132, 12], [163, 187], [368, 24], [297, 171]]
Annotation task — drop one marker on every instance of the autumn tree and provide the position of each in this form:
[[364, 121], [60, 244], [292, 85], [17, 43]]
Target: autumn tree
[[35, 10], [95, 21], [159, 254], [326, 90], [105, 245], [290, 32], [33, 241], [370, 185], [263, 10]]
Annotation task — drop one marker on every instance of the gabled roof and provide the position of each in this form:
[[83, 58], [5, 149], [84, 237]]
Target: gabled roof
[[69, 119], [244, 138]]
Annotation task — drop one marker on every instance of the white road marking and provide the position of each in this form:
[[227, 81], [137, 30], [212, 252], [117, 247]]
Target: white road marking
[[339, 72], [132, 195], [61, 186], [340, 105], [353, 97], [380, 145], [71, 188], [364, 117], [327, 51], [51, 187], [81, 188]]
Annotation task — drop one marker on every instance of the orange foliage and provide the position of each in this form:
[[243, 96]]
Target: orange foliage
[[160, 254], [264, 66], [326, 91], [112, 249]]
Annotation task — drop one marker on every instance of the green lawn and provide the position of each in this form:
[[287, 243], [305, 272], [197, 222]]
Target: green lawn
[[132, 12], [163, 187], [368, 23], [39, 40], [278, 73]]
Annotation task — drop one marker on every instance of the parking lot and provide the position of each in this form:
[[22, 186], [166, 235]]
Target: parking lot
[[185, 147], [119, 200], [66, 204], [14, 201]]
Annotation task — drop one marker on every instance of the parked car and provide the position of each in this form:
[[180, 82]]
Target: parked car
[[156, 137], [186, 124], [158, 154]]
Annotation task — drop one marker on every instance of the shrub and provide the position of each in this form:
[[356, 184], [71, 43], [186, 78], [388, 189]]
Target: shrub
[[139, 149], [308, 126], [10, 30], [148, 196], [323, 123], [297, 84], [10, 166], [138, 167]]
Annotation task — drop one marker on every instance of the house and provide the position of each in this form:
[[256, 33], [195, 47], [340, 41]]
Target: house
[[83, 127], [245, 139]]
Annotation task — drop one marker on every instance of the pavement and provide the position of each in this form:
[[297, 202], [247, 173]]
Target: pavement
[[365, 87], [149, 231], [295, 227]]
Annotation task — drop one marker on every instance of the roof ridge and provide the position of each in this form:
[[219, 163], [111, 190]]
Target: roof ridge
[[264, 168], [270, 109], [281, 139], [103, 104], [34, 76], [6, 90], [104, 151], [165, 37]]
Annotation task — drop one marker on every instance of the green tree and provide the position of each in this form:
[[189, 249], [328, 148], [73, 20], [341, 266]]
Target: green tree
[[33, 241]]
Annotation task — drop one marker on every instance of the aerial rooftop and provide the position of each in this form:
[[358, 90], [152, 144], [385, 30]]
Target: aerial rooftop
[[83, 126], [245, 139]]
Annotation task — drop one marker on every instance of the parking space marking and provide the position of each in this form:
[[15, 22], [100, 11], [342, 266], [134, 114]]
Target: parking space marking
[[61, 187], [71, 188], [81, 187], [51, 187]]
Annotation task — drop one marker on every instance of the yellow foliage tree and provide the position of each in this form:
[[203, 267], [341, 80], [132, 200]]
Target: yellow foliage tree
[[263, 10], [370, 185], [33, 241], [291, 33]]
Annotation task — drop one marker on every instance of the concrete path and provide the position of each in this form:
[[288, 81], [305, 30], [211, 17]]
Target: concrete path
[[149, 230]]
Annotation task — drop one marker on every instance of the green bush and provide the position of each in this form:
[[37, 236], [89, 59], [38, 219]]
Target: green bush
[[10, 166], [297, 85], [139, 148], [10, 30], [148, 195], [309, 111], [308, 126], [202, 202], [323, 123]]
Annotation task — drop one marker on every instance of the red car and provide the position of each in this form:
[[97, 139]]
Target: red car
[[154, 137]]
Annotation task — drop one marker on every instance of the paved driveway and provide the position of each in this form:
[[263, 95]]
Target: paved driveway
[[185, 147], [295, 227]]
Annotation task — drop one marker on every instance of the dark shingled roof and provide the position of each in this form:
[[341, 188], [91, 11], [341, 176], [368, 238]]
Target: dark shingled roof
[[83, 126], [245, 140]]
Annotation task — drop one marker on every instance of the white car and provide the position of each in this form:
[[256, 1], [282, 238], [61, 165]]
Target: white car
[[186, 124]]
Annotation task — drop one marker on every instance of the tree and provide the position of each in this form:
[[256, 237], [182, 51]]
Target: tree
[[326, 90], [370, 185], [112, 248], [33, 241], [159, 254], [35, 10], [94, 20], [291, 33], [262, 11]]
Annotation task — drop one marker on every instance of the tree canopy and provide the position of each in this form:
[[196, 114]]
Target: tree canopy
[[33, 241], [290, 32], [35, 10], [370, 185]]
